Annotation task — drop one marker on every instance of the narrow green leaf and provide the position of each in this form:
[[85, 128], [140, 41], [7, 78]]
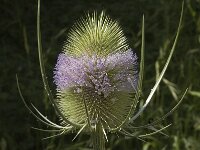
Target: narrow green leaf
[[163, 71]]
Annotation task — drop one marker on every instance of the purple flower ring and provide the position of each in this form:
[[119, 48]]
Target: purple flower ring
[[102, 81]]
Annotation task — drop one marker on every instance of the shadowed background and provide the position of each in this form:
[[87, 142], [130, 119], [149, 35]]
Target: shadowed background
[[18, 55]]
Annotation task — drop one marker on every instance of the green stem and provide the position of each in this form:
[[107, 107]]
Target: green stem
[[98, 138]]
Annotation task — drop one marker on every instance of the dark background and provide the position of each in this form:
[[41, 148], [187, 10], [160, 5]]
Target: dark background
[[18, 55]]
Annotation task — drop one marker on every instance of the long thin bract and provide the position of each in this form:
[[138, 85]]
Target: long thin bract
[[42, 69], [162, 73]]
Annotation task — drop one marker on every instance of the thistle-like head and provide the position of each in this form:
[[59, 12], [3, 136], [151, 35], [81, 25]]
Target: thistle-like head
[[97, 71], [97, 81]]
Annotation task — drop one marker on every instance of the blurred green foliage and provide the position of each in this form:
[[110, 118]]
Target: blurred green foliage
[[18, 54]]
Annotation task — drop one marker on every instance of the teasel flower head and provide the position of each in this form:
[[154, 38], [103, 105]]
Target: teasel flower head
[[97, 81], [97, 72]]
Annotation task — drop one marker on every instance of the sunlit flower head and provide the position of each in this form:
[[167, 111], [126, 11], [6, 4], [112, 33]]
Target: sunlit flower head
[[97, 81], [97, 67]]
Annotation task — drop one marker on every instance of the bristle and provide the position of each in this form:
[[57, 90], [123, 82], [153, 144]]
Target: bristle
[[95, 34]]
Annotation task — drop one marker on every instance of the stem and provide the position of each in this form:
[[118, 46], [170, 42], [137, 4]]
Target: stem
[[98, 138]]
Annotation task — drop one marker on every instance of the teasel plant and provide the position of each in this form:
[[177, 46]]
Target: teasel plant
[[98, 82]]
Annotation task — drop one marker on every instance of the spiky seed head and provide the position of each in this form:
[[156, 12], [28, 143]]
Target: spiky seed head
[[95, 69]]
